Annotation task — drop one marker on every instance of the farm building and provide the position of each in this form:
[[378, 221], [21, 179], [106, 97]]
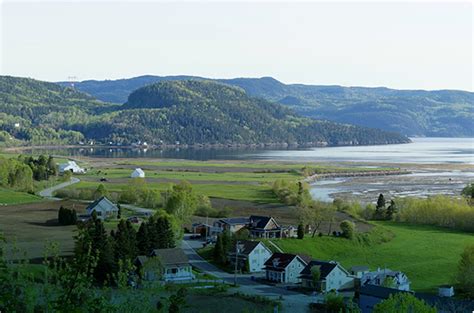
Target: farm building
[[138, 173], [71, 166]]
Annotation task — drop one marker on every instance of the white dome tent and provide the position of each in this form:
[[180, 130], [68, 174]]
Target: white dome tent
[[138, 172]]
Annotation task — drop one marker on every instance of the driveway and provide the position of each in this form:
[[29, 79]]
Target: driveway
[[48, 192], [292, 301]]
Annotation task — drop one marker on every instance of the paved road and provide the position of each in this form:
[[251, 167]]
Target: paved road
[[292, 301], [48, 192]]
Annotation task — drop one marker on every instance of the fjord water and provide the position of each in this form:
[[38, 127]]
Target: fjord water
[[421, 150]]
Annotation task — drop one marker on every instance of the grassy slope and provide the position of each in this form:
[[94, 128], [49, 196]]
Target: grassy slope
[[16, 197], [428, 255]]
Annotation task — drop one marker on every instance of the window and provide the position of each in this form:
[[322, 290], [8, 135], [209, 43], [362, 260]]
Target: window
[[174, 270]]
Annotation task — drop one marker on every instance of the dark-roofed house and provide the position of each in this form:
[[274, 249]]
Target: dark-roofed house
[[104, 208], [175, 264], [264, 227], [284, 268], [386, 277], [251, 255], [232, 224], [332, 276], [370, 295]]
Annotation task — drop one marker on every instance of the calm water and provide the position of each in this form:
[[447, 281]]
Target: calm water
[[422, 150]]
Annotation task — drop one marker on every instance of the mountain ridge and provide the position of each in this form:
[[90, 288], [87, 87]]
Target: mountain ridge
[[411, 112], [191, 112]]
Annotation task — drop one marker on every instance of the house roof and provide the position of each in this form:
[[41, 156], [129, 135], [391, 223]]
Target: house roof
[[138, 171], [235, 220], [279, 261], [324, 267], [247, 246], [171, 256], [379, 291], [359, 268], [141, 259], [102, 204], [261, 221]]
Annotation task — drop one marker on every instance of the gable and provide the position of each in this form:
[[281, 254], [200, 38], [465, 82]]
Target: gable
[[263, 251], [272, 224]]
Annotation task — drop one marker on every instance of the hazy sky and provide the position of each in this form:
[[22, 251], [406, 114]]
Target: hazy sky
[[399, 45]]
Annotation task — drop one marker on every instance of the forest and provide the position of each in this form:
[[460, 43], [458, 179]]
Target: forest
[[436, 113], [189, 112]]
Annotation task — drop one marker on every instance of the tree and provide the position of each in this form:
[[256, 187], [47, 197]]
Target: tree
[[316, 276], [177, 301], [315, 214], [143, 240], [300, 231], [380, 208], [181, 201], [403, 302], [334, 303], [465, 274], [348, 229], [219, 254], [52, 167], [101, 191], [119, 213], [392, 209], [125, 241]]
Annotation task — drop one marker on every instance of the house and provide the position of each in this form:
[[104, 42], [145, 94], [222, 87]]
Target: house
[[358, 271], [71, 166], [371, 295], [138, 173], [284, 268], [332, 276], [446, 291], [264, 227], [251, 255], [289, 232], [174, 263], [232, 224], [206, 230], [387, 278], [104, 208]]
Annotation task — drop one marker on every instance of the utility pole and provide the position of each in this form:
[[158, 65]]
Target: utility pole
[[236, 260]]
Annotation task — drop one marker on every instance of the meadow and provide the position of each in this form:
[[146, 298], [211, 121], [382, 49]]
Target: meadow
[[8, 197], [428, 255]]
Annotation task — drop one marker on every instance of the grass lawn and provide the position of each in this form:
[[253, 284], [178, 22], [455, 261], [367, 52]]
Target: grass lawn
[[8, 197], [428, 255]]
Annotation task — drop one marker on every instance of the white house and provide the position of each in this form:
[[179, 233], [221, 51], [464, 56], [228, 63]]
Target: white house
[[284, 268], [71, 166], [387, 278], [332, 276], [138, 172], [174, 264], [251, 255], [104, 208]]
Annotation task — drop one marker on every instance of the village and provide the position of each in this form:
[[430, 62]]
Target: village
[[255, 264]]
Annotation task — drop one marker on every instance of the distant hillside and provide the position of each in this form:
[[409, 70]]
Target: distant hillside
[[189, 111], [411, 112]]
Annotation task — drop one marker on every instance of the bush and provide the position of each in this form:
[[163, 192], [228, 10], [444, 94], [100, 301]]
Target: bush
[[348, 229]]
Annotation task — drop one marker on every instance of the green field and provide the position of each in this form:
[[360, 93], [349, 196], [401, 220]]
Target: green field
[[428, 255], [15, 197]]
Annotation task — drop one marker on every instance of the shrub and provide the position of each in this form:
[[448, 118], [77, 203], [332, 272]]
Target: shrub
[[348, 229]]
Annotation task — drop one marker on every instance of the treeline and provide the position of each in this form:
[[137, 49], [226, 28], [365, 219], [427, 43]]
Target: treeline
[[20, 173], [438, 211]]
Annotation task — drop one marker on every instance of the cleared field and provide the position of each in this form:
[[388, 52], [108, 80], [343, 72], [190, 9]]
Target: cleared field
[[29, 227], [428, 255], [8, 197]]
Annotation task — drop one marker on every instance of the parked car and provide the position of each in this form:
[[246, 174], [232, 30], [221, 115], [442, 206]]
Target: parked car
[[134, 219], [103, 179]]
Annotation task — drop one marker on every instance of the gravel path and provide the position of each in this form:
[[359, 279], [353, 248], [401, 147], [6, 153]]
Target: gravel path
[[48, 192]]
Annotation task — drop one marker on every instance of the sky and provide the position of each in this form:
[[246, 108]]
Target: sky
[[421, 45]]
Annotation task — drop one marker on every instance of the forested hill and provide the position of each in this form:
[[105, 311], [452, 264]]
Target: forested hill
[[410, 112], [189, 111], [197, 111]]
